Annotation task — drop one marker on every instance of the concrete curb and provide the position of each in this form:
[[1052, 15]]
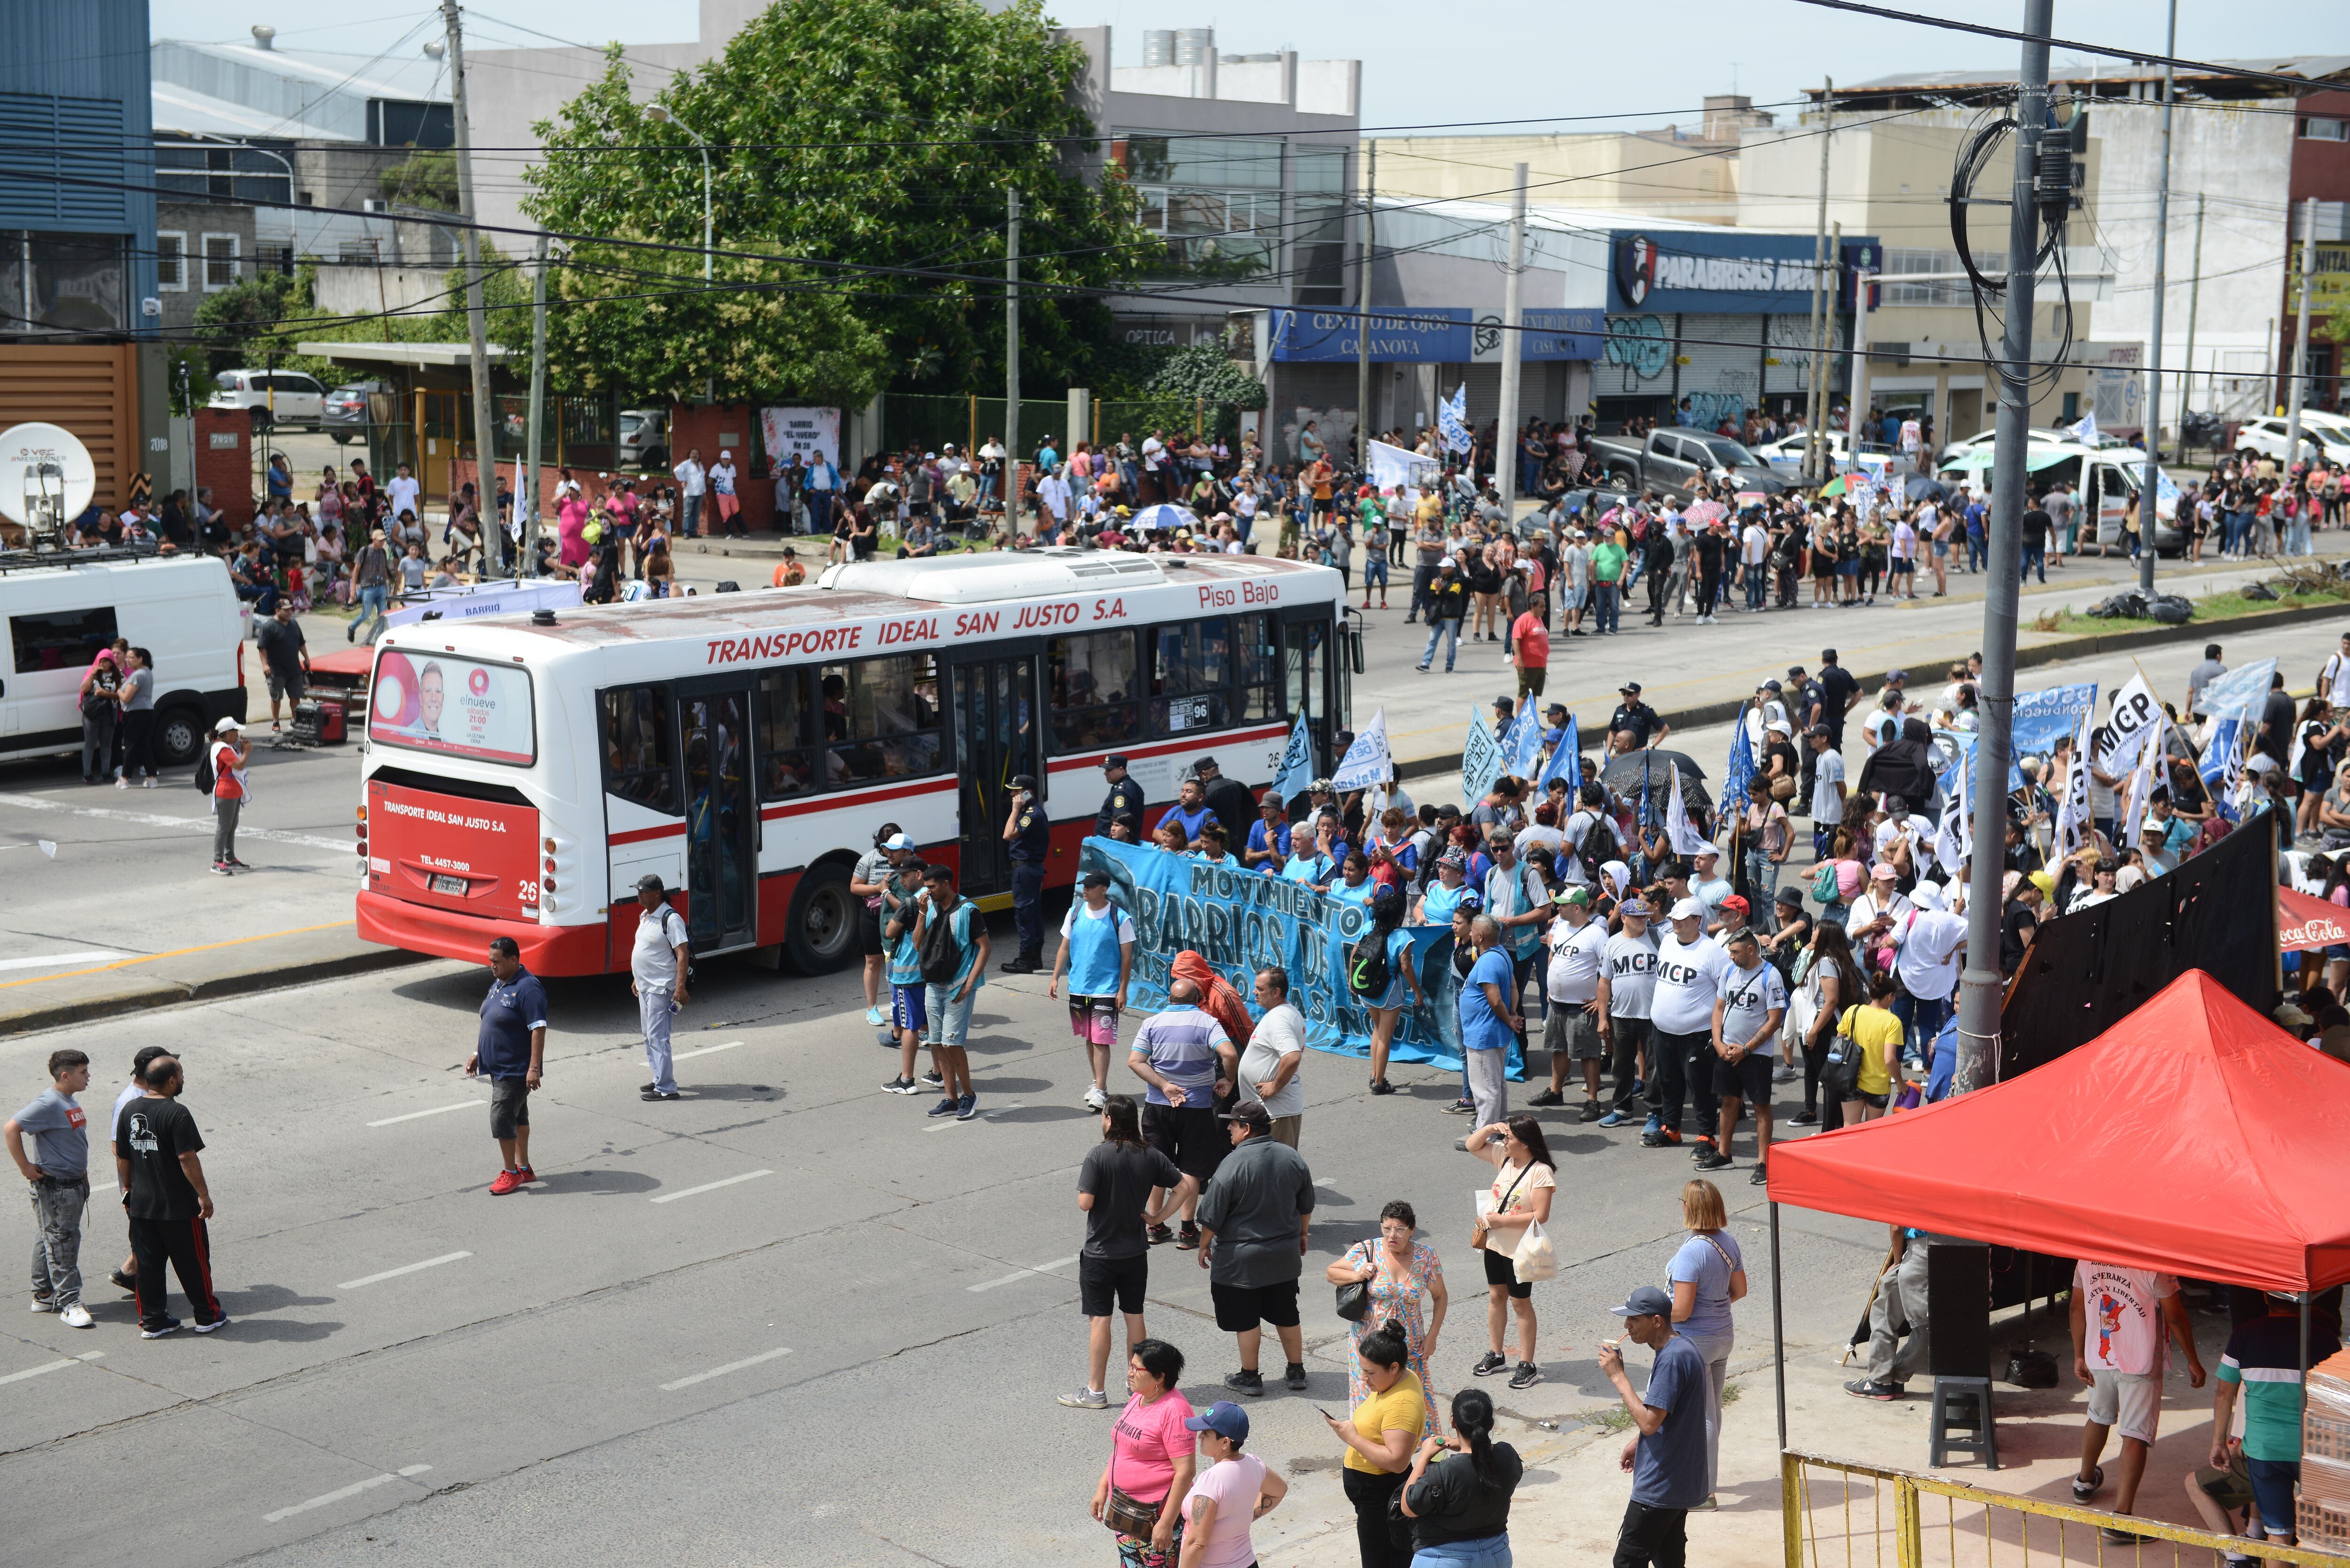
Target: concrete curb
[[1723, 712], [151, 993]]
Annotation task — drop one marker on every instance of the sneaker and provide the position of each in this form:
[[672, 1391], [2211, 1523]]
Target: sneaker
[[1086, 1399], [1761, 1177], [1527, 1375], [1462, 1108], [2082, 1491], [1548, 1097], [946, 1108], [120, 783], [1711, 1159], [1590, 1112], [525, 1174], [219, 868], [1666, 1137], [2113, 1537], [1614, 1119], [1095, 1100], [75, 1315], [901, 1086], [169, 1325], [219, 1322], [933, 1080], [967, 1107], [1295, 1375], [1870, 1388], [506, 1182], [1461, 1146], [41, 1303], [124, 1281], [238, 864], [1381, 1087], [1492, 1361], [656, 1095], [873, 1016], [1804, 1119], [1249, 1382], [147, 782], [1159, 1235], [1188, 1237]]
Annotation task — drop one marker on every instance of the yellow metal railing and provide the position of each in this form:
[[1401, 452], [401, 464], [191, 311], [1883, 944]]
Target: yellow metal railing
[[1839, 1513]]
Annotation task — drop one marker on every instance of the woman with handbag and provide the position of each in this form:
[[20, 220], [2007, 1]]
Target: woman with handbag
[[1831, 982], [1508, 1221], [1767, 838], [1151, 1460], [1379, 1286], [1707, 1275], [1388, 1421], [1458, 1494]]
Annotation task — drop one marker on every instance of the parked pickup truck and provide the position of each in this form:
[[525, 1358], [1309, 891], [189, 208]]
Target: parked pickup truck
[[1671, 460]]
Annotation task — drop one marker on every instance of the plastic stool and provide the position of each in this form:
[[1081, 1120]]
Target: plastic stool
[[1955, 1398]]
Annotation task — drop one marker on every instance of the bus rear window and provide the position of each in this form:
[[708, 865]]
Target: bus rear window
[[462, 706]]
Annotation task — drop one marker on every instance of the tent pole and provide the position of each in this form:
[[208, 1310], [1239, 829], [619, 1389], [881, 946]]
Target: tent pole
[[2304, 1351], [1779, 1331]]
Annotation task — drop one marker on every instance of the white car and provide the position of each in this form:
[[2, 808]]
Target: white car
[[273, 396], [2327, 434], [2041, 435], [1787, 456]]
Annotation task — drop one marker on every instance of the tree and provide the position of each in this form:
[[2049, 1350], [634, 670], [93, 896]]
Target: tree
[[851, 134], [1206, 371], [428, 179], [248, 318]]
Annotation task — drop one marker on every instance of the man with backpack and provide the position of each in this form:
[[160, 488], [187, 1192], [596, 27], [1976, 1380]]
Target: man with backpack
[[952, 938]]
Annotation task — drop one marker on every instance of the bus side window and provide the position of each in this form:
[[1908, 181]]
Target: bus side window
[[1257, 639], [1091, 683], [786, 714], [1191, 670], [881, 718], [640, 747]]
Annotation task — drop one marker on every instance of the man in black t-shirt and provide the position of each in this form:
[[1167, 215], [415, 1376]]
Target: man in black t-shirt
[[2036, 524], [165, 1195], [284, 658], [1120, 1177], [1838, 692], [1648, 728]]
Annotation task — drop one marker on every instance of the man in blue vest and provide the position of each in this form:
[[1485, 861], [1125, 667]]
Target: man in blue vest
[[1097, 959]]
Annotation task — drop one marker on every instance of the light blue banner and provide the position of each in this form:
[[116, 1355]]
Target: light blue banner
[[1240, 920], [1481, 761], [2045, 718]]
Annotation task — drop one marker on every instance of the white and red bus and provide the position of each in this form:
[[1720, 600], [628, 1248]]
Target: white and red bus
[[523, 772]]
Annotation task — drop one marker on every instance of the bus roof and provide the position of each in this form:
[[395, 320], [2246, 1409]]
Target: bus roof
[[860, 590]]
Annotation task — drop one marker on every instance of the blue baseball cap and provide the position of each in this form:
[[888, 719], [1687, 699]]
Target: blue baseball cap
[[1225, 1418], [1647, 1301]]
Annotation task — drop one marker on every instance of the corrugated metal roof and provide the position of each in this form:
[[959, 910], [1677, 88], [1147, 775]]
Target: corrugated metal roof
[[2316, 67], [192, 113]]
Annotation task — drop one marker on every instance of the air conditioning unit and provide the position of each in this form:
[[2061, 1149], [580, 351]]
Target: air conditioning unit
[[374, 204]]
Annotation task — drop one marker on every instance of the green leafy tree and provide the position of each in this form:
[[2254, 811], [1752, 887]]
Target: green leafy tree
[[427, 179], [248, 319], [874, 133], [1207, 372]]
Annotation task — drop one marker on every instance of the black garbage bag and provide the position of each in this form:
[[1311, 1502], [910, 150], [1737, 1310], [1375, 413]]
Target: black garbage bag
[[2260, 591], [2130, 605], [2170, 609]]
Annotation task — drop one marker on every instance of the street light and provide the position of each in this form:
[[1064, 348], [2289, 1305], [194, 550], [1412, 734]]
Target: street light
[[661, 116]]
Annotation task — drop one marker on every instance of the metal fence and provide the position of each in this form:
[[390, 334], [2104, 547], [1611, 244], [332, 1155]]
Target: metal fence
[[1838, 1514]]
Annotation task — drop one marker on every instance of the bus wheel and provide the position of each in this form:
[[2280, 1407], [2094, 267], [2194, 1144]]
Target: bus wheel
[[821, 934]]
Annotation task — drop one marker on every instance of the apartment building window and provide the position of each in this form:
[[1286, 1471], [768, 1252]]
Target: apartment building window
[[1215, 199], [2316, 128], [172, 262], [220, 262]]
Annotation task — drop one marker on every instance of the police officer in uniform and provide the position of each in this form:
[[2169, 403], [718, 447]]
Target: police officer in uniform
[[1649, 729], [1029, 832], [1124, 799]]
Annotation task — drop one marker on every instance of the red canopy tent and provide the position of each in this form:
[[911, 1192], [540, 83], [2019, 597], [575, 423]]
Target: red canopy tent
[[2306, 924], [2194, 1137]]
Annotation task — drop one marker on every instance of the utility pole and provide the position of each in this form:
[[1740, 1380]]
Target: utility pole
[[1513, 318], [1012, 363], [2300, 339], [1857, 386], [485, 450], [528, 515], [2147, 500], [2194, 294], [1363, 314], [1980, 989], [1816, 406]]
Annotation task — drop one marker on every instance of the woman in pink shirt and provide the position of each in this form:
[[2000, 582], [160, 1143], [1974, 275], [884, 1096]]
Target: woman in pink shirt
[[571, 526], [1233, 1492], [1150, 1458]]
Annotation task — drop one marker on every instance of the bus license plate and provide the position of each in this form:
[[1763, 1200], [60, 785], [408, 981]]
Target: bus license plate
[[456, 885]]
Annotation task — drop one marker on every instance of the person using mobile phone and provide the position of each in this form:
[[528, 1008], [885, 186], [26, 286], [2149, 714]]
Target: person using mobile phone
[[1379, 1438]]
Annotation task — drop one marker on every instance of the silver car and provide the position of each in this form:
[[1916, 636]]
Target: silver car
[[272, 397], [644, 439]]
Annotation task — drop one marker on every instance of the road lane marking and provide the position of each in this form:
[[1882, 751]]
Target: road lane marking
[[94, 955], [945, 1122], [435, 1111], [704, 1051], [47, 1366], [713, 1186], [341, 1492], [1019, 1274], [404, 1269], [185, 824], [175, 952], [723, 1371]]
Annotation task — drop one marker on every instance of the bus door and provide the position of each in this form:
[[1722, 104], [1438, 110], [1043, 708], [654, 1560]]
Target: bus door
[[998, 736], [1309, 676], [722, 818]]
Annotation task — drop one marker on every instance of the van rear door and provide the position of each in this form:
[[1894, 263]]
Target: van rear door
[[49, 651]]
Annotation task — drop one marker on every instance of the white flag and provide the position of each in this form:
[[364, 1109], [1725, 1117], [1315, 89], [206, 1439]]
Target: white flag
[[2150, 773], [1954, 836], [2072, 812], [2113, 745], [1680, 832], [1367, 762]]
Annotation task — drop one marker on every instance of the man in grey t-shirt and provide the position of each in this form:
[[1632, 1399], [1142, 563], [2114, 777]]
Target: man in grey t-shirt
[[57, 1162], [1254, 1219], [2202, 675]]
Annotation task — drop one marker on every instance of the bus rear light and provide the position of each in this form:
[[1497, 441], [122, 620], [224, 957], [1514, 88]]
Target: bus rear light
[[548, 884], [549, 865]]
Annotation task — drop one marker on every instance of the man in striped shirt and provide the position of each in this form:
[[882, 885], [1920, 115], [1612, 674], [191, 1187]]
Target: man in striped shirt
[[1188, 1062]]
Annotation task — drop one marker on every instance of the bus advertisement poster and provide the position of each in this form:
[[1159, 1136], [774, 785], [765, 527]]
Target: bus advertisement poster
[[1241, 920], [441, 703]]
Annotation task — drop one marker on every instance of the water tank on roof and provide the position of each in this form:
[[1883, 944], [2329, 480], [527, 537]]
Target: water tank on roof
[[1159, 46], [1195, 46]]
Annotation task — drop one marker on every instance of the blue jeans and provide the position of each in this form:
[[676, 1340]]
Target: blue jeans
[[1921, 1019], [949, 1019], [1758, 584], [1488, 1552], [2035, 556], [692, 519], [1977, 551], [372, 602], [1604, 604], [1450, 630], [1762, 878]]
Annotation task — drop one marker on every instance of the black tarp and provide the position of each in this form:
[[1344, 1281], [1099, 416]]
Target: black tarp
[[2087, 972]]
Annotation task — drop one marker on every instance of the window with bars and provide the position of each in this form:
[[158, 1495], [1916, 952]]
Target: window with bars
[[172, 262], [220, 262]]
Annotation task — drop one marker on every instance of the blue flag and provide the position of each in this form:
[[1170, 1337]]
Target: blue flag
[[1296, 770], [1481, 758], [1566, 763], [1740, 768], [1522, 743]]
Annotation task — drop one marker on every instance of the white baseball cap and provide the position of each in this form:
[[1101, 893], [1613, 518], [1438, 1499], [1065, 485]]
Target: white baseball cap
[[1688, 910], [225, 725], [723, 455]]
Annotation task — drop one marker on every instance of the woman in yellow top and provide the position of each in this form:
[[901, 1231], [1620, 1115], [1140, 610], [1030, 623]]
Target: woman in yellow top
[[1384, 1429], [1878, 1033]]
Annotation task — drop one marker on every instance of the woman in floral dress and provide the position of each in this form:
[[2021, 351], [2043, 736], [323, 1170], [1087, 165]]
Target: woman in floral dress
[[1398, 1268]]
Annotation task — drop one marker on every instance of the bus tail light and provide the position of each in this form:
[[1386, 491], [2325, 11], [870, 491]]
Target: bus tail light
[[559, 873]]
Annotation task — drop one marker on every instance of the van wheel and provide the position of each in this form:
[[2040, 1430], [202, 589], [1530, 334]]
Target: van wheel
[[821, 931], [261, 421], [179, 735]]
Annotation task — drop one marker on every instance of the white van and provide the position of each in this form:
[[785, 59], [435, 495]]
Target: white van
[[61, 610]]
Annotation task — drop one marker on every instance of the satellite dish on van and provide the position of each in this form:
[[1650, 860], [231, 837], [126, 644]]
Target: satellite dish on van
[[47, 479]]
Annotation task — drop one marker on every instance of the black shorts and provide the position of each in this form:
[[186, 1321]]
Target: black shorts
[[868, 935], [1189, 1135], [1500, 1268], [1101, 1281], [1240, 1308], [509, 1106], [1749, 1078]]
